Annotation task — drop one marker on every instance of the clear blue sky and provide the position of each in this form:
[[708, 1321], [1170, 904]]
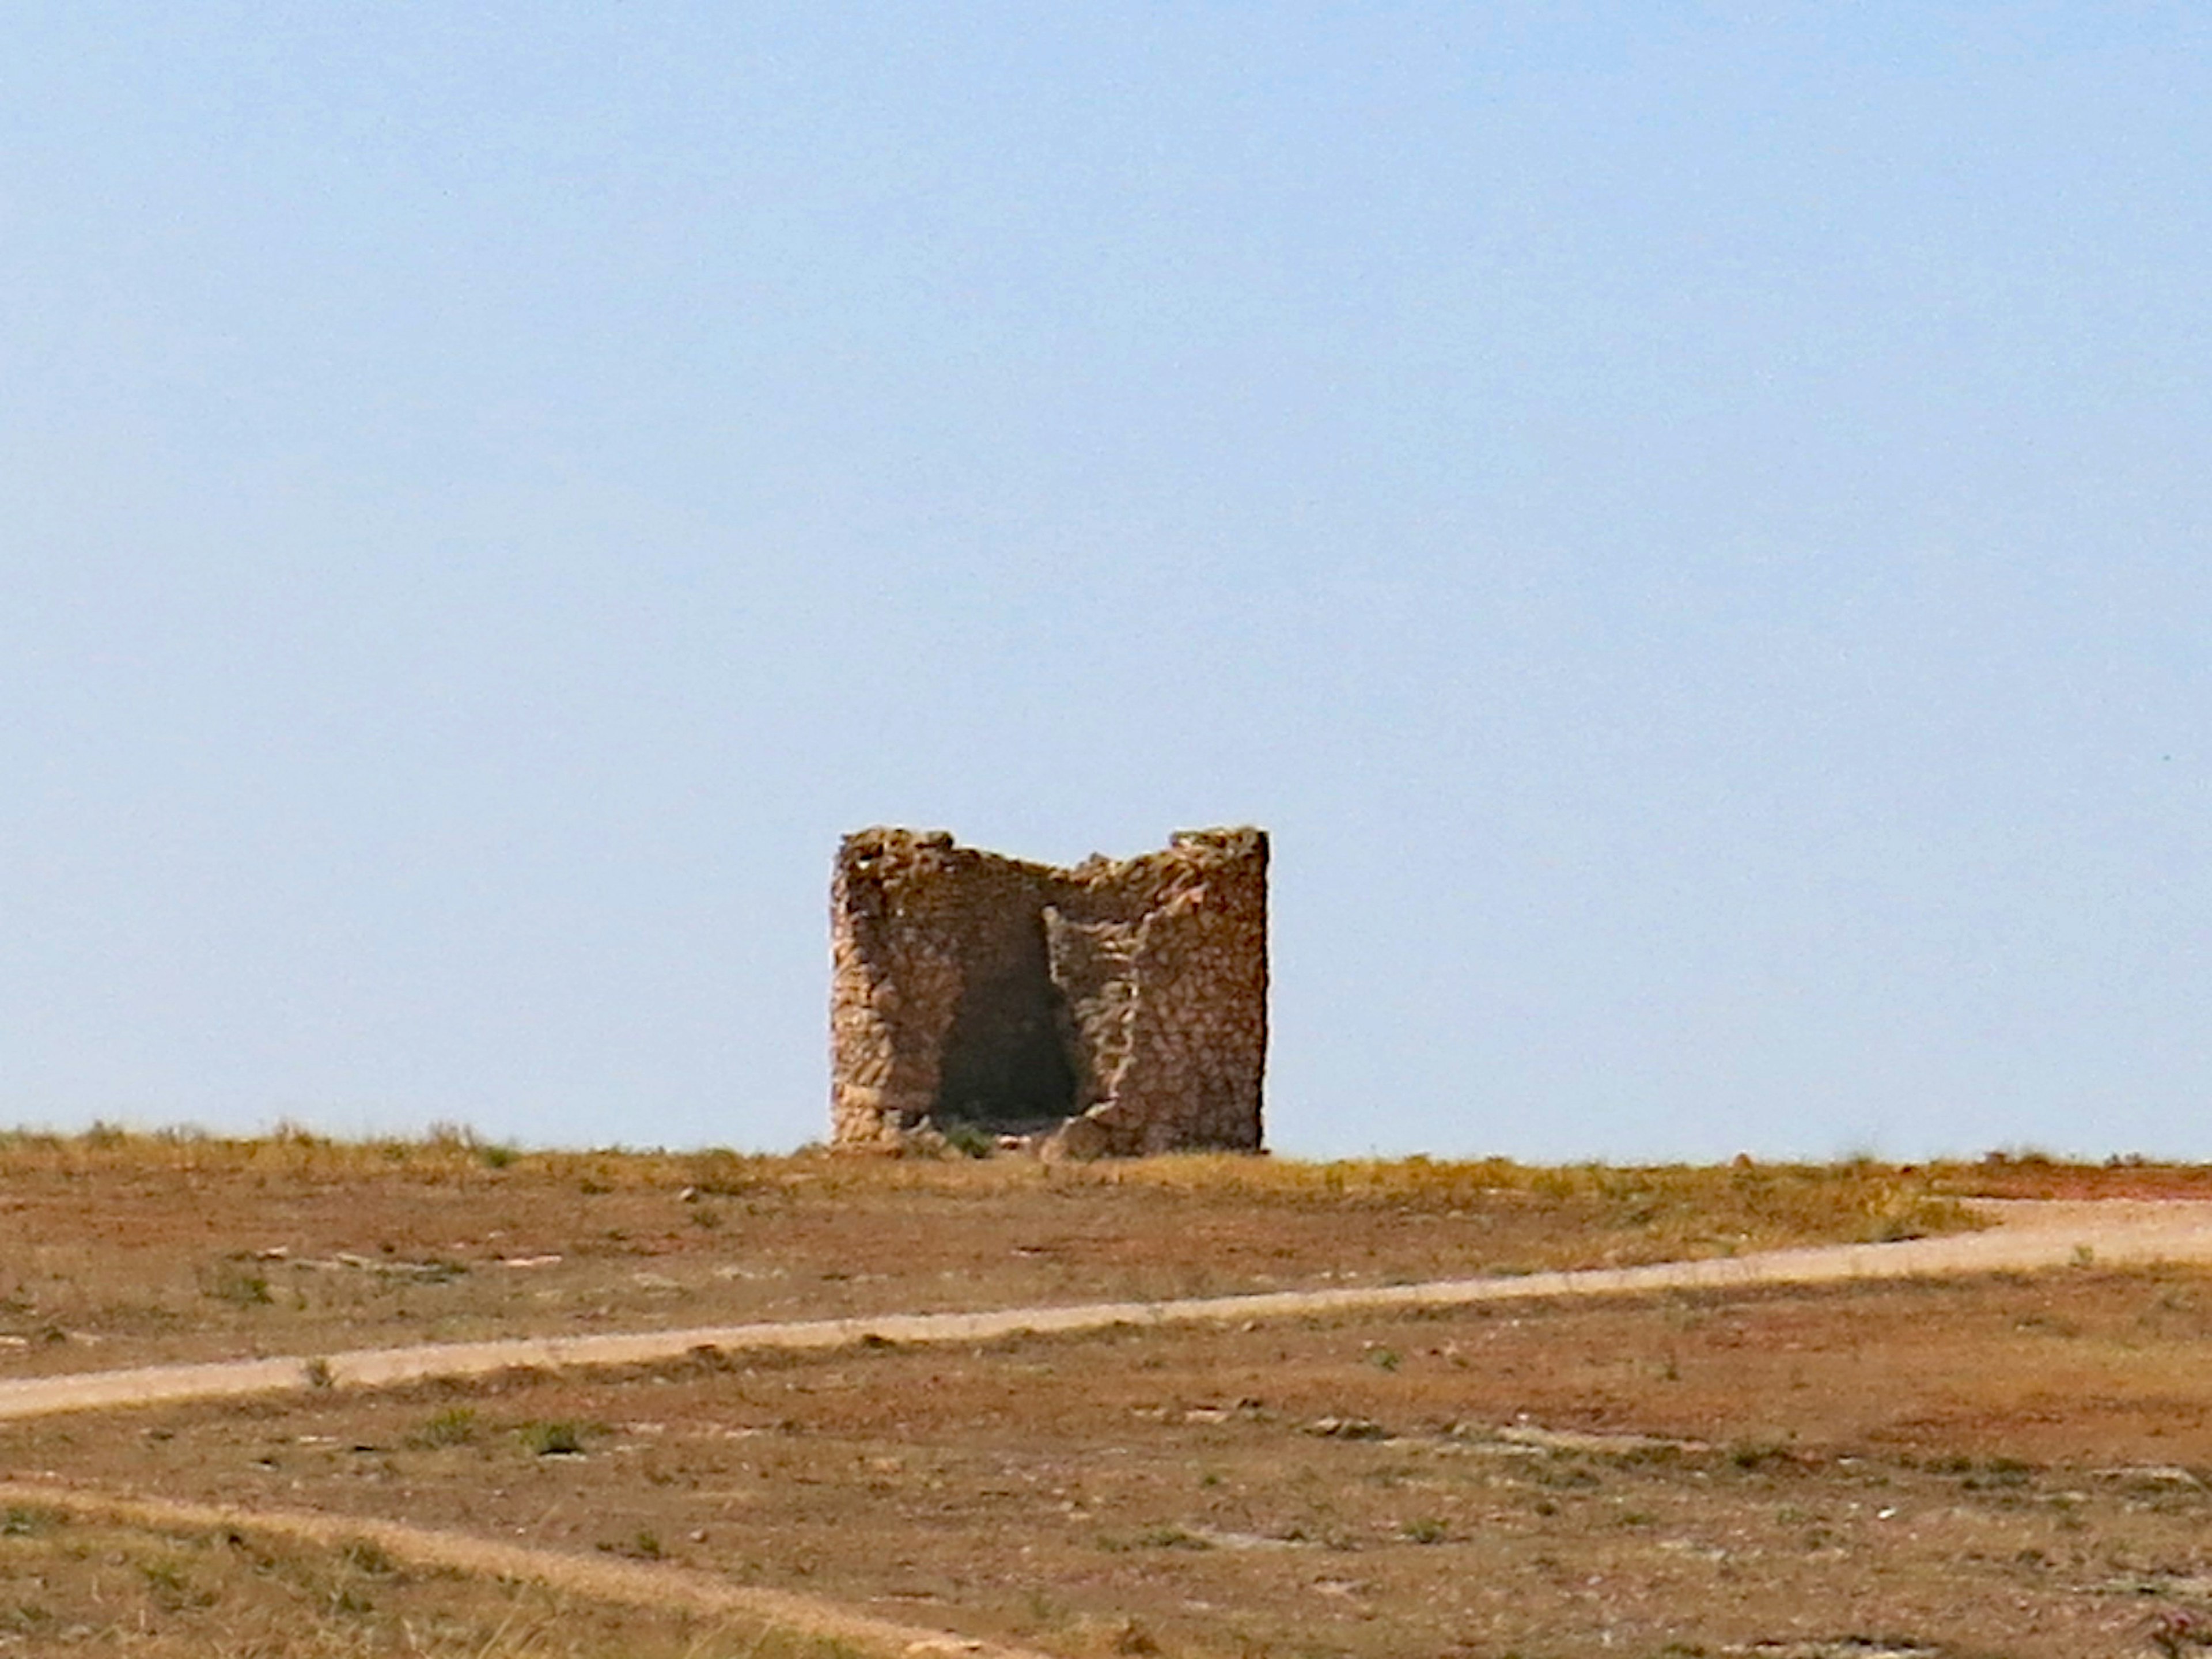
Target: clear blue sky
[[1689, 523]]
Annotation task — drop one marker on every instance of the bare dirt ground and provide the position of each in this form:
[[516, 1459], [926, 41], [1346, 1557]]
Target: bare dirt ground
[[368, 1550], [1998, 1465], [2009, 1462], [127, 1251], [2030, 1235]]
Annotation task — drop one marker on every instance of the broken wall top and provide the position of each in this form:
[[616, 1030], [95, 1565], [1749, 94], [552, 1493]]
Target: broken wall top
[[903, 859]]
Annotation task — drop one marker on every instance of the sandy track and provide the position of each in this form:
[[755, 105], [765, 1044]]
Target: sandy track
[[625, 1583], [2029, 1236]]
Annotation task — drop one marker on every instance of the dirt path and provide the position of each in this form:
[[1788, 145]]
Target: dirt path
[[2029, 1235], [621, 1583]]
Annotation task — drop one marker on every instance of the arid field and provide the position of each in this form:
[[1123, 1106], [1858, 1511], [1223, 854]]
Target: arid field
[[2010, 1463]]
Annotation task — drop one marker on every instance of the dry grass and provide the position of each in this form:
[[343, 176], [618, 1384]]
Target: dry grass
[[128, 1248], [2014, 1466], [1803, 1195], [2031, 1174], [2011, 1466], [448, 1155], [70, 1585], [1755, 1202]]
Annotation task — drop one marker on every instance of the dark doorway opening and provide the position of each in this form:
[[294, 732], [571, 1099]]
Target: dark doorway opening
[[1006, 1065]]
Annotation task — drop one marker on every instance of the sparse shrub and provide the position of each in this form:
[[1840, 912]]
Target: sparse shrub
[[1893, 1228], [346, 1599], [970, 1139], [456, 1425], [553, 1439], [1427, 1530], [367, 1556], [237, 1283], [171, 1590], [728, 1174], [1753, 1454], [1564, 1476], [1170, 1538]]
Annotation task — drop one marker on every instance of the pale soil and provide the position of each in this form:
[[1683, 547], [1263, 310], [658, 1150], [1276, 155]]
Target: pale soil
[[127, 1253], [1994, 1444], [601, 1577], [2031, 1235], [2005, 1464]]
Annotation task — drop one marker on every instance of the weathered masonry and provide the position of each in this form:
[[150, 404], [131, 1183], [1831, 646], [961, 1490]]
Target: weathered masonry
[[1118, 1007]]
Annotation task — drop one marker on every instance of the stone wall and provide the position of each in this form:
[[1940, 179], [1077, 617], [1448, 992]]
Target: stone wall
[[1117, 1007]]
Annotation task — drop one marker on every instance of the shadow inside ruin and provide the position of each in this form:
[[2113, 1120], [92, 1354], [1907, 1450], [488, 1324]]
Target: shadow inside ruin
[[1006, 1065]]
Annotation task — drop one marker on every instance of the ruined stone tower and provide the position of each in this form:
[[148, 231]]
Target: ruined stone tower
[[1118, 1007]]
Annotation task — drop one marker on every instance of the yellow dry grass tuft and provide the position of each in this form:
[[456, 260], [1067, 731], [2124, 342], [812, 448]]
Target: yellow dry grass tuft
[[1692, 1210], [103, 1586]]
